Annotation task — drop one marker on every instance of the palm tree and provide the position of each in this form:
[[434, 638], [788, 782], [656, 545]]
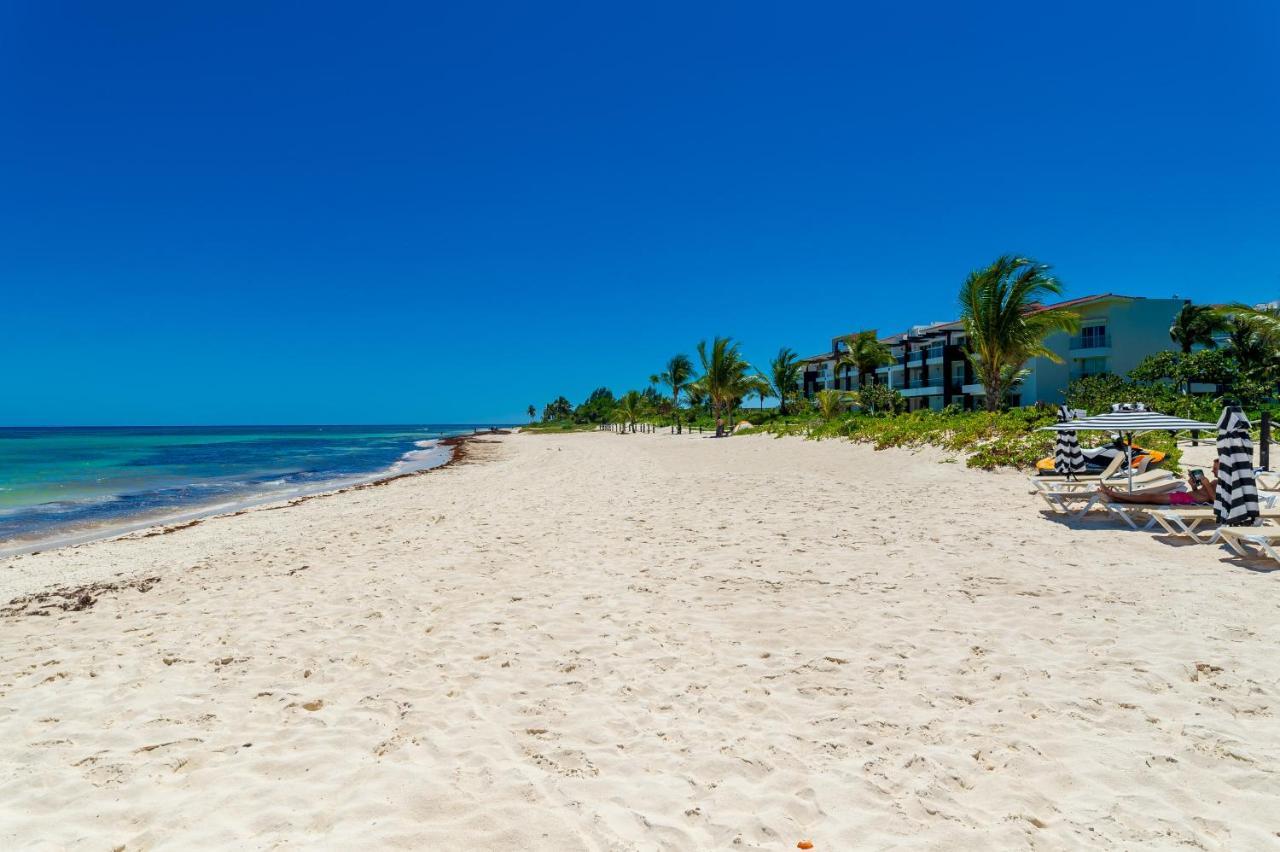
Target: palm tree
[[749, 384], [784, 377], [677, 375], [764, 388], [725, 374], [1253, 338], [533, 412], [1196, 324], [697, 397], [864, 353], [1005, 324], [631, 408], [832, 403]]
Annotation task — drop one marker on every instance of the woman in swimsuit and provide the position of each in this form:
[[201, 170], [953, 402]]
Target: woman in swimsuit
[[1200, 492]]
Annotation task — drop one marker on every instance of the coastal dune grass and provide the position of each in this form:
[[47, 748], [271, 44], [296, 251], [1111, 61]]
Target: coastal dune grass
[[988, 440]]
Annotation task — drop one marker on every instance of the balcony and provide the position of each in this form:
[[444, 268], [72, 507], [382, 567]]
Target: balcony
[[1090, 341], [923, 387]]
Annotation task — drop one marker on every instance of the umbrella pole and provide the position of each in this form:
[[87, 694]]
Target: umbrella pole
[[1129, 454]]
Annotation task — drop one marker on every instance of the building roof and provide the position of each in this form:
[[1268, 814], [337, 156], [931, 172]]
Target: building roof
[[1084, 300]]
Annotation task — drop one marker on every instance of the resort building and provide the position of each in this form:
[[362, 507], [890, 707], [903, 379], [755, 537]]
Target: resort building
[[931, 370]]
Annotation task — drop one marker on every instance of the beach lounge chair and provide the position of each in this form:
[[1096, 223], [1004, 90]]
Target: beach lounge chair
[[1186, 521], [1164, 516], [1052, 482], [1057, 497], [1265, 539], [1267, 480], [1129, 512]]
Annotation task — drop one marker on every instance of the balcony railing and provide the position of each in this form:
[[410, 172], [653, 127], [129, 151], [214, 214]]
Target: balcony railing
[[925, 383], [1084, 374], [1090, 341]]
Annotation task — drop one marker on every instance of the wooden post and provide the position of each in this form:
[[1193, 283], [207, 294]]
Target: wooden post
[[1264, 443]]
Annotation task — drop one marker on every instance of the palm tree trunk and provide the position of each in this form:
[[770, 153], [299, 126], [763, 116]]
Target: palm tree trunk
[[995, 394]]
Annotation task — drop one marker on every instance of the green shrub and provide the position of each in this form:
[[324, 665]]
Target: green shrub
[[1006, 439], [558, 426]]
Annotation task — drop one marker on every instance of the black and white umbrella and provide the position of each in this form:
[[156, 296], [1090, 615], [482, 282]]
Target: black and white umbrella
[[1129, 419], [1067, 458], [1235, 500]]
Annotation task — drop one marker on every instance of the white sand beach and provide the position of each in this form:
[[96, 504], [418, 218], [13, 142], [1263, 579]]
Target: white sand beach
[[595, 641]]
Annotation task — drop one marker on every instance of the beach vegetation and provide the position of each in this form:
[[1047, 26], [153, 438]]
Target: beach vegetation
[[1006, 326], [596, 408], [676, 376], [830, 404], [880, 399], [1197, 325], [727, 377], [784, 377], [1255, 345], [986, 440], [749, 384], [558, 409], [630, 409], [865, 353], [1183, 369], [1000, 307]]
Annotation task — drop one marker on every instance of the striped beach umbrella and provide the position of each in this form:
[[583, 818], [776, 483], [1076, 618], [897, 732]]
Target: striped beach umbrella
[[1068, 460], [1129, 419], [1235, 501]]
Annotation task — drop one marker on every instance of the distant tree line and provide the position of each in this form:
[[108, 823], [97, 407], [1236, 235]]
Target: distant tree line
[[1005, 326]]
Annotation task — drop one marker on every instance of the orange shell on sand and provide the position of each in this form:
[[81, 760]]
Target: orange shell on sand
[[804, 844]]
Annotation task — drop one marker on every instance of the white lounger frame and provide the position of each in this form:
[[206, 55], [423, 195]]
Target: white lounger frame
[[1263, 538]]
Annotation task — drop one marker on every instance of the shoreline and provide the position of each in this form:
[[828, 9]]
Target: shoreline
[[165, 523]]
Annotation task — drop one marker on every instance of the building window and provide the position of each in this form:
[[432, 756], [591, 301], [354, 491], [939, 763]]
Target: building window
[[1086, 367], [1092, 336]]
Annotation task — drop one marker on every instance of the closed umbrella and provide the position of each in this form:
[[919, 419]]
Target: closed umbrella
[[1235, 500], [1067, 458], [1130, 419]]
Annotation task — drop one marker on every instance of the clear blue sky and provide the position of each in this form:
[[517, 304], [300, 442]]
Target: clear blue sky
[[305, 212]]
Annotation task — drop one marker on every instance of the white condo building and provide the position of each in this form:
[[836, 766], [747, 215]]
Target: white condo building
[[932, 371]]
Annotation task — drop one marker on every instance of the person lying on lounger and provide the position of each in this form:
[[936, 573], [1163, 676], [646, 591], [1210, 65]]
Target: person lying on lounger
[[1200, 492]]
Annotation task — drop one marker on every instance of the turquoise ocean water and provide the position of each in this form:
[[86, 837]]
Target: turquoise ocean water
[[62, 482]]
